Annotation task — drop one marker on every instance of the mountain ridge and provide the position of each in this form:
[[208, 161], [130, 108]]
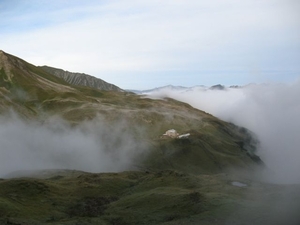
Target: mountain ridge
[[168, 181], [81, 79], [217, 87], [33, 92]]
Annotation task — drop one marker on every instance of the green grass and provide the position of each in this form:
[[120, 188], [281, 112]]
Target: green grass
[[165, 197], [151, 197], [179, 182]]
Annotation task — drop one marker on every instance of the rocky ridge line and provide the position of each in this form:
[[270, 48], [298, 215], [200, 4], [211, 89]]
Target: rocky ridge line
[[81, 79]]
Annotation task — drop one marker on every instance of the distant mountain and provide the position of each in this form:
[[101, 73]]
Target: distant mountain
[[185, 89], [217, 87], [235, 86], [81, 79], [168, 88]]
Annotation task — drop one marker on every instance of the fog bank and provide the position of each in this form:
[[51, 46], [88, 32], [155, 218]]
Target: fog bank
[[93, 146], [269, 110]]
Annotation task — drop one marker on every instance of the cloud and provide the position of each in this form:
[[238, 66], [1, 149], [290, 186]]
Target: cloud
[[93, 146], [157, 37], [269, 110]]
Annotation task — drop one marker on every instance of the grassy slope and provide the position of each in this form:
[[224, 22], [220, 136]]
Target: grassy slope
[[165, 197], [158, 196], [213, 146]]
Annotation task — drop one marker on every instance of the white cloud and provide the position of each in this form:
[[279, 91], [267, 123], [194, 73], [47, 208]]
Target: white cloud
[[271, 111], [93, 146]]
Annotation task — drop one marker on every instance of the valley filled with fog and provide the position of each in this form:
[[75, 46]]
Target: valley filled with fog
[[91, 146]]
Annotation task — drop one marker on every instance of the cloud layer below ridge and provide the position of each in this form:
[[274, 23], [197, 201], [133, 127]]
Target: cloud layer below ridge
[[270, 110]]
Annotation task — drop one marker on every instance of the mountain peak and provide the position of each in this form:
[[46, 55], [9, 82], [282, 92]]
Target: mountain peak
[[12, 66], [17, 74], [7, 60], [6, 55], [2, 55], [217, 87], [5, 65]]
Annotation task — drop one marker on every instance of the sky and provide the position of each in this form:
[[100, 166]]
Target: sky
[[150, 43]]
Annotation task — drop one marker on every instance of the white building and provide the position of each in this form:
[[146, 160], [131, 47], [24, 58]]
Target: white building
[[171, 133]]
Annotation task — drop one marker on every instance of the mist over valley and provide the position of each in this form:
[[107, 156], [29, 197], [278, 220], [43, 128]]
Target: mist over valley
[[269, 110]]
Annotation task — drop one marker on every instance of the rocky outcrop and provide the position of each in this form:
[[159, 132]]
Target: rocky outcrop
[[81, 79]]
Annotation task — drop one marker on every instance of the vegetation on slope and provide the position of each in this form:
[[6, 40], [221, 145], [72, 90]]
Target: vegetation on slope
[[164, 197], [81, 79], [178, 181]]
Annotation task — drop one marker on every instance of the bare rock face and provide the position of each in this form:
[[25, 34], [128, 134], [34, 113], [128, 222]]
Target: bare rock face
[[81, 79]]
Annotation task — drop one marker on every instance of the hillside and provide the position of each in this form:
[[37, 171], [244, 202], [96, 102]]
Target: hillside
[[34, 93], [168, 180], [136, 197], [81, 79]]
